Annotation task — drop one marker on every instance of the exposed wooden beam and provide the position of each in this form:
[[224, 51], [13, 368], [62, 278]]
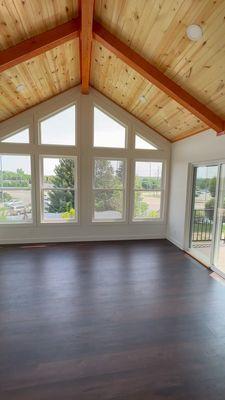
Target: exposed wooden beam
[[87, 11], [79, 15], [157, 78], [78, 8], [39, 44]]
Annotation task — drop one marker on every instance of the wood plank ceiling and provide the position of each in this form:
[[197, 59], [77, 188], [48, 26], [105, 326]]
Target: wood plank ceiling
[[47, 74], [155, 29]]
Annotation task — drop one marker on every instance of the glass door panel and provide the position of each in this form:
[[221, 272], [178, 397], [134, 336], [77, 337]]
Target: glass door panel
[[203, 206], [219, 256]]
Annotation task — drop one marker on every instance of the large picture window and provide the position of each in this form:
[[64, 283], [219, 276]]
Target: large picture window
[[39, 182], [58, 189], [15, 189], [109, 189], [148, 186]]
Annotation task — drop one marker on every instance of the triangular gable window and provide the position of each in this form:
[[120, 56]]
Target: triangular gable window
[[18, 137], [107, 131], [143, 144], [59, 129]]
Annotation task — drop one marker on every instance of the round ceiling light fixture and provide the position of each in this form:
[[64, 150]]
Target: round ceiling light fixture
[[20, 87], [194, 32], [142, 99]]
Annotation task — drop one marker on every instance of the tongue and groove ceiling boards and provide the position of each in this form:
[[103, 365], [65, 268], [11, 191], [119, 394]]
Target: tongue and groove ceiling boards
[[152, 31], [47, 74]]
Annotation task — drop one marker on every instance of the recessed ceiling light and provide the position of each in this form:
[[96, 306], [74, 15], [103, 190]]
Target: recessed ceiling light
[[20, 87], [143, 99], [194, 32]]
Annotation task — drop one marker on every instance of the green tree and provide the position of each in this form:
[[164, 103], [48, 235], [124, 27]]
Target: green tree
[[104, 174], [107, 178], [64, 174], [15, 179], [202, 183], [209, 207], [140, 206], [120, 171], [62, 201], [212, 186], [6, 196]]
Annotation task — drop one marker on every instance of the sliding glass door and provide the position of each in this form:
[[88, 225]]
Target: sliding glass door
[[219, 253], [207, 228], [203, 212]]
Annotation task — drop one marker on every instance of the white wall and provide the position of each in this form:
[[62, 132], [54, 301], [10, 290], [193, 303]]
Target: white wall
[[84, 229], [202, 147]]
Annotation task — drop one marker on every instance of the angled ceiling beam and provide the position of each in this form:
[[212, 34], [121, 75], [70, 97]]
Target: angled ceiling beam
[[87, 13], [157, 78], [39, 44]]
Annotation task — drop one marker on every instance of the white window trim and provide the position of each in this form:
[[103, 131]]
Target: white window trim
[[124, 190], [161, 219], [189, 199], [51, 114], [42, 221], [136, 133], [32, 190], [30, 119], [8, 135], [85, 152]]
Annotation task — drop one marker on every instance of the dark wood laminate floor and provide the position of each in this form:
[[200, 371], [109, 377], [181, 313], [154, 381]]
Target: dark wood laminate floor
[[121, 321]]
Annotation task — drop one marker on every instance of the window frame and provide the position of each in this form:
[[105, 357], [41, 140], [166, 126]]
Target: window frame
[[162, 190], [85, 154], [32, 190], [51, 114], [4, 137], [124, 190], [136, 133], [43, 222], [104, 111]]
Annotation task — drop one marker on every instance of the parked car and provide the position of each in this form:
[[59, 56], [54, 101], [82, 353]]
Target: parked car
[[18, 208]]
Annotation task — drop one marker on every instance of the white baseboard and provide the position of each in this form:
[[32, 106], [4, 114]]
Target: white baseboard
[[80, 239], [175, 242]]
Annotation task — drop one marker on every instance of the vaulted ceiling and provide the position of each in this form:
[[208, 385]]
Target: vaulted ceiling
[[154, 29]]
